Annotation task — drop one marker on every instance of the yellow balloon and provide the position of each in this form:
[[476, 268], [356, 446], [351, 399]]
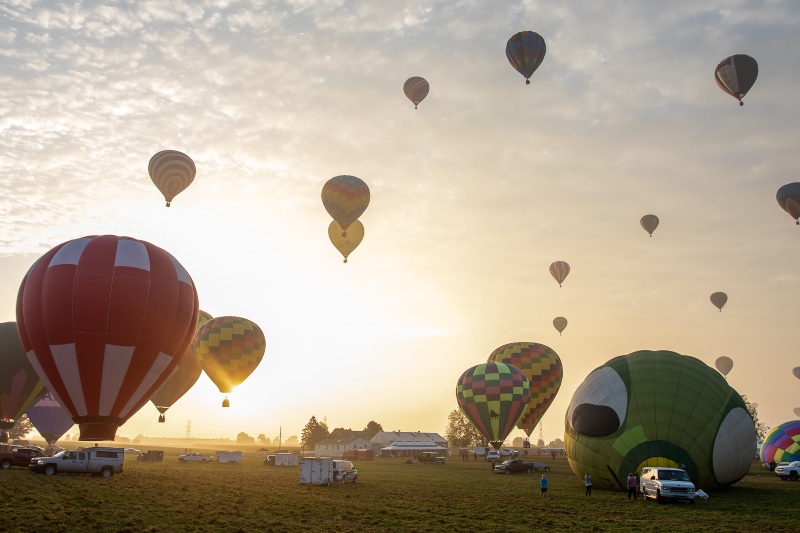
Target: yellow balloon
[[346, 244]]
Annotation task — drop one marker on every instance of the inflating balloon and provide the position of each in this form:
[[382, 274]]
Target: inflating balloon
[[719, 299], [658, 409], [782, 443], [229, 348], [349, 242], [797, 411], [796, 372], [50, 418], [559, 270], [20, 385], [542, 367], [172, 172], [724, 365], [525, 51], [649, 223], [416, 89], [736, 75], [345, 198], [493, 397], [789, 199], [105, 321], [560, 323]]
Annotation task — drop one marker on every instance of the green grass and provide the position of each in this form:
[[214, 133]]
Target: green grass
[[389, 496]]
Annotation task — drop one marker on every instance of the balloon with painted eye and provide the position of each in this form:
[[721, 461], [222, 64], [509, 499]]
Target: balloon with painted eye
[[559, 270], [719, 299], [348, 242], [649, 223], [172, 172], [416, 89], [345, 198], [525, 51], [736, 75], [724, 365]]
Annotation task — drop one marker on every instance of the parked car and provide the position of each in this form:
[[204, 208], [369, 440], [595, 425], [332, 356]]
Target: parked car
[[19, 457], [663, 483], [505, 452], [492, 455], [132, 451], [431, 457], [789, 471], [515, 466], [269, 460], [103, 461], [194, 457]]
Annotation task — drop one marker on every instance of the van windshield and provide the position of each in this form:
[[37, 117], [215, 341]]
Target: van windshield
[[673, 475]]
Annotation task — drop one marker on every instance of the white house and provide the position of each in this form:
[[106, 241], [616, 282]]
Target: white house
[[340, 440], [407, 443]]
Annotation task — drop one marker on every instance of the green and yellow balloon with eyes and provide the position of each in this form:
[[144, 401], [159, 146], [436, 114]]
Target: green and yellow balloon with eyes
[[658, 409]]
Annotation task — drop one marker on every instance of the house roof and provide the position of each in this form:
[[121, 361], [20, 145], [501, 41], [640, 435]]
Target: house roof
[[385, 437], [413, 446], [339, 440]]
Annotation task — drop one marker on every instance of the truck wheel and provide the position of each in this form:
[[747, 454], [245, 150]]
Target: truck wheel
[[107, 472], [355, 479], [181, 459], [50, 470], [691, 501], [792, 476], [6, 464], [659, 499]]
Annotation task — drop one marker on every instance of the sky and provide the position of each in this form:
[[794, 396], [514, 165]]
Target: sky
[[473, 195]]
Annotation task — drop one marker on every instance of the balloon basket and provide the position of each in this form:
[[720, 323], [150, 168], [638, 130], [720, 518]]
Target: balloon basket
[[225, 402]]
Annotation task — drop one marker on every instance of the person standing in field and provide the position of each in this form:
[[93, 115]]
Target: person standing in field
[[632, 485], [543, 483], [588, 480]]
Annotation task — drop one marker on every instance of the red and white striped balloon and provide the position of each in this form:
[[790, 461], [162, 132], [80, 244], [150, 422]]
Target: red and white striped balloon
[[104, 321], [172, 172]]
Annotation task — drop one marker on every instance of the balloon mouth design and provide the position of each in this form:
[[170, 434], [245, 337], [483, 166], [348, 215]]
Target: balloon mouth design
[[595, 420], [226, 402]]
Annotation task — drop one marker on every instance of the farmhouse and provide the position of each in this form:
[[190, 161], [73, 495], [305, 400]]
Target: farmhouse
[[340, 440], [407, 443]]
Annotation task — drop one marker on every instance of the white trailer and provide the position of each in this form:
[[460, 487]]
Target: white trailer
[[233, 458], [316, 471], [286, 459]]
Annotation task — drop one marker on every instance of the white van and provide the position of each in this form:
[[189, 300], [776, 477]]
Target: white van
[[97, 460], [663, 483]]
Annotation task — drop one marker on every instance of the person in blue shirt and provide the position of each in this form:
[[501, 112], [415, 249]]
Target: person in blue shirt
[[543, 483]]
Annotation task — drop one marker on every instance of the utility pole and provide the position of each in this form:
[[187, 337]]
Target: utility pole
[[541, 432], [280, 437], [188, 429]]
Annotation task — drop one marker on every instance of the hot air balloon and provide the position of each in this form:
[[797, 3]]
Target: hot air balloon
[[105, 320], [345, 198], [20, 386], [724, 365], [782, 443], [797, 411], [493, 397], [182, 379], [172, 172], [542, 367], [719, 299], [559, 270], [789, 199], [560, 323], [50, 418], [736, 75], [349, 242], [658, 409], [525, 51], [229, 348], [649, 223], [796, 372], [416, 89]]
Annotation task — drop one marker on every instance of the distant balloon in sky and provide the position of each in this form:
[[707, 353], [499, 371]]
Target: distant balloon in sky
[[20, 385], [105, 320], [416, 89], [559, 270], [797, 411], [525, 51], [172, 172], [649, 223], [719, 299], [345, 198], [796, 372], [789, 199], [560, 323], [229, 348], [346, 244], [724, 365], [50, 418], [493, 397], [736, 75]]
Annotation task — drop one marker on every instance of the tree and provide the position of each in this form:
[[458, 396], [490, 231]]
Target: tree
[[556, 443], [314, 432], [761, 427], [517, 442], [460, 433], [262, 439], [540, 443], [244, 438], [373, 428], [292, 441], [22, 427], [276, 441]]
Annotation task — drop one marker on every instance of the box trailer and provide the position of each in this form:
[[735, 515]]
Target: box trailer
[[286, 459], [324, 471], [233, 458]]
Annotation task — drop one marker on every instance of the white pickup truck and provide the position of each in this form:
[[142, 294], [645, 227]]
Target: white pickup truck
[[97, 460], [194, 457]]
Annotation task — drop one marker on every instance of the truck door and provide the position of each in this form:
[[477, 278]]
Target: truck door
[[82, 462]]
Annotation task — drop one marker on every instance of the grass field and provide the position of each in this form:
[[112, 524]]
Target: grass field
[[389, 496]]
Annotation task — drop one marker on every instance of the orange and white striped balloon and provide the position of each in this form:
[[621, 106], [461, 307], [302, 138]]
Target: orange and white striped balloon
[[172, 172]]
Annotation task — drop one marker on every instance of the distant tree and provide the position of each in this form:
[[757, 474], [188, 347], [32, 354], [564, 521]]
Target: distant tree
[[556, 443], [22, 427], [244, 438], [517, 442], [373, 428], [124, 440], [277, 441], [540, 443], [761, 427], [313, 432], [262, 439], [292, 441], [137, 440], [460, 433]]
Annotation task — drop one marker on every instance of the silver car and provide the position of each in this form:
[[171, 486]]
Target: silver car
[[662, 484]]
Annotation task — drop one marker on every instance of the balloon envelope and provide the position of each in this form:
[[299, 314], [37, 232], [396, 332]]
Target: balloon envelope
[[172, 172], [229, 348], [542, 368], [796, 372], [20, 385], [782, 443], [649, 223], [724, 365], [736, 75], [345, 198], [50, 418], [351, 239], [797, 411], [560, 323], [525, 52], [788, 198], [559, 270], [719, 299], [493, 397], [105, 320], [416, 89]]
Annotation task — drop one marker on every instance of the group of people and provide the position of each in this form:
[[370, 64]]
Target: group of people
[[633, 485]]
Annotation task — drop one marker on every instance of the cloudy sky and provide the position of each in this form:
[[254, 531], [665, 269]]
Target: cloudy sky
[[473, 195]]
